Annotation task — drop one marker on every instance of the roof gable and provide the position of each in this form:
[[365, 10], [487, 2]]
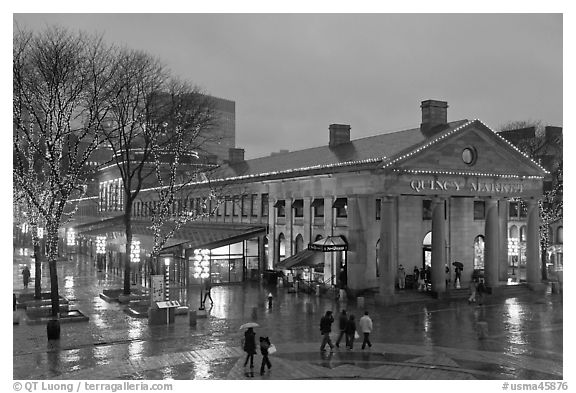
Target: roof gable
[[494, 156]]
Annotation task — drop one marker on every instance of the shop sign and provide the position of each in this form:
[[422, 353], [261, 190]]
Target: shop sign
[[157, 291], [326, 248], [475, 186]]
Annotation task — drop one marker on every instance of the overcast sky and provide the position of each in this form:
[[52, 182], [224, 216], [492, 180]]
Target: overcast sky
[[291, 75]]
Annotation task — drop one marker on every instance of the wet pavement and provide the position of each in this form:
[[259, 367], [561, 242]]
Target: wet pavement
[[441, 340]]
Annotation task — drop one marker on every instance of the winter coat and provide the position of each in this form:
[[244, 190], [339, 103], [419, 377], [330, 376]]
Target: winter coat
[[365, 324], [250, 342], [350, 327], [343, 321], [326, 324], [264, 345]]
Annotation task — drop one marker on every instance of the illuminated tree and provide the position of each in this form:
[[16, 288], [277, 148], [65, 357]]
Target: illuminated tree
[[152, 118], [60, 87], [532, 138]]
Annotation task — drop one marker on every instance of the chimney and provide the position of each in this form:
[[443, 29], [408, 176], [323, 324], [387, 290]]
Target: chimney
[[235, 155], [434, 117], [339, 134]]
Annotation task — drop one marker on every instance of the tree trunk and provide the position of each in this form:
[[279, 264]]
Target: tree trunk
[[37, 262], [52, 255], [128, 227], [37, 272]]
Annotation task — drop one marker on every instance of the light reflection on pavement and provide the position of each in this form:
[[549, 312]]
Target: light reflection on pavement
[[526, 326]]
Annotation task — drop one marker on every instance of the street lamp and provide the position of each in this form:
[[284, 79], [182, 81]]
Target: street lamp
[[134, 257], [100, 251], [201, 269], [167, 279]]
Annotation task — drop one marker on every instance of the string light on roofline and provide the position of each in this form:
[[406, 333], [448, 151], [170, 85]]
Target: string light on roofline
[[481, 174], [445, 135]]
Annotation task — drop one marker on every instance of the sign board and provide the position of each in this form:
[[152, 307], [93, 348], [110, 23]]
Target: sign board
[[328, 247], [168, 304], [157, 292]]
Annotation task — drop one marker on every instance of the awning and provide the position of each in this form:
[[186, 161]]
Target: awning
[[298, 203], [340, 202], [331, 243], [301, 259], [279, 203], [317, 202], [191, 235]]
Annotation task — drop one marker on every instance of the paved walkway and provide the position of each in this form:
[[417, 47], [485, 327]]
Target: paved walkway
[[414, 341]]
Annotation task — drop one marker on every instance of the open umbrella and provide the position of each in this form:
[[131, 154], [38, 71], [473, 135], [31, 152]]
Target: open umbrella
[[458, 265], [249, 325]]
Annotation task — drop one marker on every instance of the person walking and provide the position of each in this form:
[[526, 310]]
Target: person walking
[[26, 276], [481, 290], [401, 277], [325, 329], [458, 276], [350, 332], [342, 321], [366, 328], [422, 280], [207, 289], [447, 276], [250, 346], [472, 298], [264, 346]]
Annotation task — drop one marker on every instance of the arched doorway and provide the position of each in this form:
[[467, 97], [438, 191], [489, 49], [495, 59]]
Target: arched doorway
[[281, 247], [427, 251], [299, 244], [267, 261], [378, 258], [479, 252]]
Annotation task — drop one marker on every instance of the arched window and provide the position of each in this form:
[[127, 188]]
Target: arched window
[[560, 235], [281, 247], [427, 242], [299, 243], [479, 252], [378, 258], [318, 237], [523, 233], [513, 232]]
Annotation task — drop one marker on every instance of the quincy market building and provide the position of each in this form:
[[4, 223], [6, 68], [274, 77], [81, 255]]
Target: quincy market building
[[432, 195]]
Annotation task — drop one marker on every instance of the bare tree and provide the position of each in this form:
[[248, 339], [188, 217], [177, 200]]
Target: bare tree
[[153, 118], [60, 87]]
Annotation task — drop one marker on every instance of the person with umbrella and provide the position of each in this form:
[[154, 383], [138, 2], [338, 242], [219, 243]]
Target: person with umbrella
[[249, 345], [458, 273]]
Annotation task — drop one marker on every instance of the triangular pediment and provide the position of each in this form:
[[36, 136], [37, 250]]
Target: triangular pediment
[[471, 149]]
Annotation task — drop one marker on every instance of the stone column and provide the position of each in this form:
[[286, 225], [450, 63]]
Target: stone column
[[438, 246], [307, 220], [357, 226], [289, 223], [387, 251], [272, 240], [491, 243], [503, 221], [533, 272]]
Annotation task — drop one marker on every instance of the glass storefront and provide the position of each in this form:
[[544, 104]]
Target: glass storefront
[[232, 263]]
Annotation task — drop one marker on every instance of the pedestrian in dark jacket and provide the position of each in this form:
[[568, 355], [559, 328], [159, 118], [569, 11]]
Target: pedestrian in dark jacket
[[342, 321], [26, 276], [264, 346], [481, 290], [325, 329], [249, 346], [350, 332]]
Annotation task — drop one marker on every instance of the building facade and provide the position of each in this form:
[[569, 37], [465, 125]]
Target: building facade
[[429, 196]]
